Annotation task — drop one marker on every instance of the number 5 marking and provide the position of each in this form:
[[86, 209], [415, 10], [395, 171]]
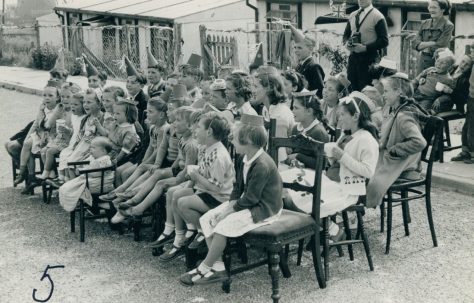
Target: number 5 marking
[[46, 275]]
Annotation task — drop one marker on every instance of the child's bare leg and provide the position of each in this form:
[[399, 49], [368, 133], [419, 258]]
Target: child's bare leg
[[146, 177], [14, 150], [152, 197], [119, 174], [25, 156], [215, 250], [50, 155], [150, 184], [178, 219], [25, 152], [191, 208], [137, 172]]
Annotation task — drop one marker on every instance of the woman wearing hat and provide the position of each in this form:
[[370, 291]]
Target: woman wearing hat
[[401, 139], [434, 33]]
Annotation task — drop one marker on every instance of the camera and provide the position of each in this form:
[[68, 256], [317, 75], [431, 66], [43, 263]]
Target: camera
[[355, 38]]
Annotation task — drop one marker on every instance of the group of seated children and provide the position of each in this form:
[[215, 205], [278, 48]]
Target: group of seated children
[[175, 146]]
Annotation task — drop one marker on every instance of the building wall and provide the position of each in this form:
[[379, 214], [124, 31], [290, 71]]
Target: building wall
[[50, 31]]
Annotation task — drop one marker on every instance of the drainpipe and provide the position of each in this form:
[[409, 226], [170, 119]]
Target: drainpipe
[[247, 2]]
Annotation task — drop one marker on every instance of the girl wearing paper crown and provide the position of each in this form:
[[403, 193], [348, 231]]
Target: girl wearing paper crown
[[156, 73]]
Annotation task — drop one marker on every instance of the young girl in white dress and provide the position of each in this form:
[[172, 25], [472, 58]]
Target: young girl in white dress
[[255, 201]]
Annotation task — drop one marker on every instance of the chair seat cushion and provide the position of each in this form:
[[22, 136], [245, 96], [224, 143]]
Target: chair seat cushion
[[451, 115], [290, 225]]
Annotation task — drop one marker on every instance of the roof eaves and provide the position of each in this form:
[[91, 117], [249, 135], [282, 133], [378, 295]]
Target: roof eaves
[[119, 15]]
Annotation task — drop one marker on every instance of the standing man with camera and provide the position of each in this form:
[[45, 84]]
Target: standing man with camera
[[365, 36]]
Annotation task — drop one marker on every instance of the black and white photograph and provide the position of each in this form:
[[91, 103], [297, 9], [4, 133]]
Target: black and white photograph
[[197, 151]]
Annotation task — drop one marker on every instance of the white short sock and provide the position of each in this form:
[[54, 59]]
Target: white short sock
[[333, 228], [179, 236], [218, 266]]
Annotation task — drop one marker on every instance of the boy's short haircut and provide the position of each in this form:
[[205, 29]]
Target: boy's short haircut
[[158, 104], [104, 142], [184, 112], [59, 73], [161, 68], [196, 72], [131, 111], [219, 125], [196, 116], [116, 90], [102, 75], [253, 135], [141, 78]]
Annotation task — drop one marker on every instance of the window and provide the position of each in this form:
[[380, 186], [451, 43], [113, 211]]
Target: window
[[288, 12]]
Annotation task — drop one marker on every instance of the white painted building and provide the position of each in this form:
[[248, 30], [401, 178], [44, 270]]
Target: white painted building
[[214, 14]]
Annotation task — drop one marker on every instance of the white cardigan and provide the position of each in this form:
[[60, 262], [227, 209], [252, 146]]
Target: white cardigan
[[358, 162]]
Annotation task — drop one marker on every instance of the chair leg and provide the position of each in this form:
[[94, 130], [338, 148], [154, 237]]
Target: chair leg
[[382, 216], [405, 215], [446, 131], [82, 226], [326, 247], [316, 254], [14, 167], [273, 262], [430, 217], [345, 220], [389, 223], [44, 191], [50, 194], [137, 226], [227, 258], [72, 216], [300, 252], [285, 269], [365, 240], [242, 251], [441, 147]]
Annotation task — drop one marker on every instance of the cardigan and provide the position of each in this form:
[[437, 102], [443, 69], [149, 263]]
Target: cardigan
[[358, 162], [262, 191], [400, 152], [318, 133]]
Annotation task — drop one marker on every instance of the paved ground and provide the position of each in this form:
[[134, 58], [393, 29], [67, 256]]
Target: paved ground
[[113, 268]]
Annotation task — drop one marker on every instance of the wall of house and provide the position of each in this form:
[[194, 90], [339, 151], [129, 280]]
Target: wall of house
[[49, 30], [464, 25], [229, 17], [93, 38]]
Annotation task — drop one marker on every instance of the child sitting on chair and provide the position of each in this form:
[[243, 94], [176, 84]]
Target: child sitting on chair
[[255, 201], [75, 189]]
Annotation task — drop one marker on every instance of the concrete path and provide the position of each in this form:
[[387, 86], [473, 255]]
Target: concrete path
[[450, 175]]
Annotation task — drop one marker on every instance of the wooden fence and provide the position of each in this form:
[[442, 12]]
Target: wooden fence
[[217, 50]]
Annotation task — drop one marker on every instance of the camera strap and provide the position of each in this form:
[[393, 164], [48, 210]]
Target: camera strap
[[359, 22]]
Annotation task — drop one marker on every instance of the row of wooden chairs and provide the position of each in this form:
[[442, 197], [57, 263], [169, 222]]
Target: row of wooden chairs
[[295, 227]]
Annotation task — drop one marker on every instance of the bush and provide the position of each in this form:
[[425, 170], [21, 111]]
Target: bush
[[337, 56], [44, 57]]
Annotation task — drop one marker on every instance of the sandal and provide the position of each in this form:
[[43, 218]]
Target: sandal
[[108, 197], [188, 240], [187, 278], [171, 254]]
